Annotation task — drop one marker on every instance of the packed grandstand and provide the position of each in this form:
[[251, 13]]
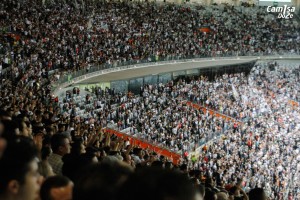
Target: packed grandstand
[[229, 135]]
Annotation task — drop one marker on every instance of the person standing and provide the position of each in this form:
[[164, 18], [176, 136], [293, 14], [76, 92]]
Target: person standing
[[60, 145]]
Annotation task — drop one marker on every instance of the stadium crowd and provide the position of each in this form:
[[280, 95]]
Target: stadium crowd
[[266, 139], [41, 42], [114, 32]]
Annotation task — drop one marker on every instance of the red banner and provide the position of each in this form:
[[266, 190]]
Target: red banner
[[204, 29], [16, 37], [174, 157], [211, 112]]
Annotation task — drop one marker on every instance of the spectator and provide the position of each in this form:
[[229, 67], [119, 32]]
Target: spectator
[[60, 146], [101, 181], [235, 193], [70, 160], [56, 188], [222, 196], [45, 168], [19, 177], [210, 195], [257, 194], [2, 140], [157, 183]]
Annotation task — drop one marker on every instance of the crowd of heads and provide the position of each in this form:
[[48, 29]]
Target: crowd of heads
[[261, 152], [65, 35], [261, 145], [50, 151]]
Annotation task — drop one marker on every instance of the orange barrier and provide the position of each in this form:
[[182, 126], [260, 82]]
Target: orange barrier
[[211, 112], [16, 37], [174, 157], [293, 103]]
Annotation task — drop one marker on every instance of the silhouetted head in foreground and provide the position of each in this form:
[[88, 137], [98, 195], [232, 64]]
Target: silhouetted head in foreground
[[100, 181], [158, 184]]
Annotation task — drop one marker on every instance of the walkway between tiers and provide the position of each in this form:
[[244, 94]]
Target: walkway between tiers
[[174, 157]]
